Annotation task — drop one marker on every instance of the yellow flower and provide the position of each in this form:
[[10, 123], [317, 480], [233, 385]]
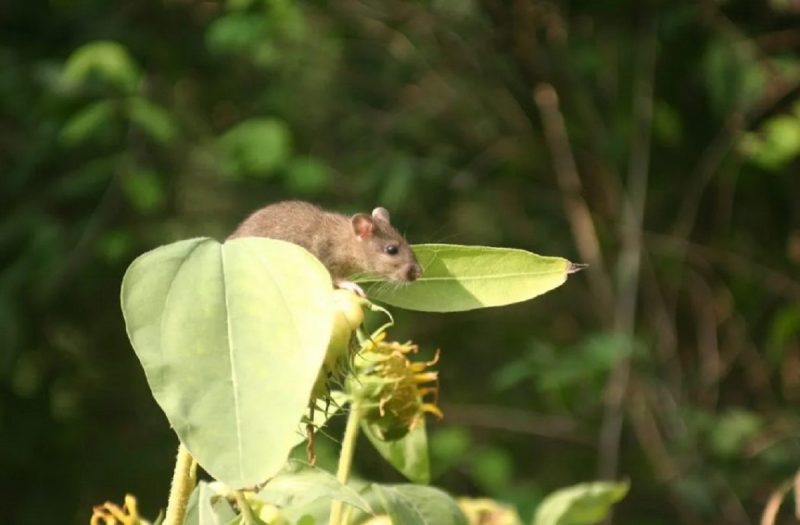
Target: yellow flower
[[111, 514]]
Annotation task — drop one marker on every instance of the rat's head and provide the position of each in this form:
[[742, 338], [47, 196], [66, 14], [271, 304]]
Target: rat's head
[[385, 252]]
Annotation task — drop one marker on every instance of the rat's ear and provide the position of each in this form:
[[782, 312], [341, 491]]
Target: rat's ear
[[381, 214], [363, 225]]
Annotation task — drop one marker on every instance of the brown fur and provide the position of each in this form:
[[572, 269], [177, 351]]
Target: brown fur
[[333, 238]]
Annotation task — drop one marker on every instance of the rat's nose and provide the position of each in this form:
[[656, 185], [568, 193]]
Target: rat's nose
[[413, 272]]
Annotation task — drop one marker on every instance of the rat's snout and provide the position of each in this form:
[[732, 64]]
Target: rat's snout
[[413, 272]]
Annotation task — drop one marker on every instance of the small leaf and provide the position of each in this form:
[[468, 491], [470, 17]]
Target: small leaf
[[87, 122], [409, 454], [582, 504], [106, 59], [152, 119], [457, 278], [256, 147], [231, 337], [776, 144], [419, 505], [236, 32], [207, 507], [144, 190], [298, 487], [322, 414], [307, 175], [115, 245]]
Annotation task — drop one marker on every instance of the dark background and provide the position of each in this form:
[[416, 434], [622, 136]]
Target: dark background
[[668, 161]]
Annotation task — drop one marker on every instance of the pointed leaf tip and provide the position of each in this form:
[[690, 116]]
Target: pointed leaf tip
[[458, 278], [576, 267]]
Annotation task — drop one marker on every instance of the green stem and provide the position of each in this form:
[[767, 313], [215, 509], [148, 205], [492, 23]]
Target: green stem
[[247, 513], [346, 459], [183, 481]]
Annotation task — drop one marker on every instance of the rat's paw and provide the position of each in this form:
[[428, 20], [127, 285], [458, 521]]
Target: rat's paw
[[353, 287]]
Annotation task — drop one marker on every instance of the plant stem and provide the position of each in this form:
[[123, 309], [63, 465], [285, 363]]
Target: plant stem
[[346, 459], [244, 508], [183, 481]]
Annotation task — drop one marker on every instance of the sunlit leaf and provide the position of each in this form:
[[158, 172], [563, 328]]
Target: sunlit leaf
[[582, 504], [459, 278], [231, 337], [409, 454], [776, 144]]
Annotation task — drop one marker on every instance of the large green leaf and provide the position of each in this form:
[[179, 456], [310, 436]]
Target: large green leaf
[[582, 504], [409, 454], [231, 337], [457, 278], [419, 505]]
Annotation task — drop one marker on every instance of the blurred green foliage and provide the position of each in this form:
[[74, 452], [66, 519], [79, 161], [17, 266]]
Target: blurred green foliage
[[126, 125]]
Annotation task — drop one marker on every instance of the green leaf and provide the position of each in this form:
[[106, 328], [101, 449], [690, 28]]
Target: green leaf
[[208, 506], [307, 175], [300, 486], [231, 337], [87, 122], [409, 454], [152, 119], [492, 468], [457, 278], [144, 190], [419, 505], [777, 143], [236, 32], [582, 504], [108, 60], [733, 430], [115, 246], [322, 414], [733, 74], [256, 147]]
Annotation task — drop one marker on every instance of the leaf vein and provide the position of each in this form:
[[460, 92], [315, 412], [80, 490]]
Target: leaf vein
[[234, 381]]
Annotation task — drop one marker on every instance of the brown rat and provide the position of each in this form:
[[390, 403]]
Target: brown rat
[[360, 244]]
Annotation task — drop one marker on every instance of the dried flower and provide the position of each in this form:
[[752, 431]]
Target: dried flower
[[392, 388]]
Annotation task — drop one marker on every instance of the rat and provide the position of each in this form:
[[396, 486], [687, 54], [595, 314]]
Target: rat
[[346, 246]]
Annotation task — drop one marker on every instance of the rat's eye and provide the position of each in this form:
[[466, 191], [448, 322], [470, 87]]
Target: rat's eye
[[391, 249]]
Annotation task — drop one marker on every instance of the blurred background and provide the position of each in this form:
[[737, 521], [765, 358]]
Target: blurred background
[[657, 141]]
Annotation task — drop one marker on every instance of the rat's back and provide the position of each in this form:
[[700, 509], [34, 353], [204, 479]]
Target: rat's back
[[345, 245], [322, 233], [292, 221]]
